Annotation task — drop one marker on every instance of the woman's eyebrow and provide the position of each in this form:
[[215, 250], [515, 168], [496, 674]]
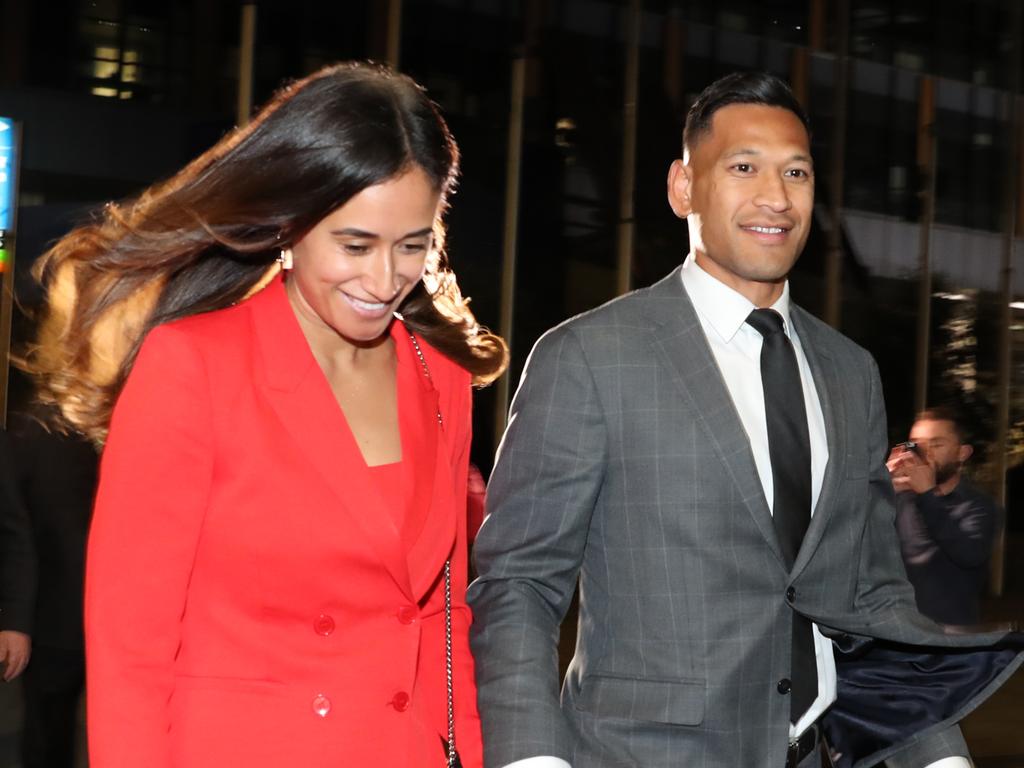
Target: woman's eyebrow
[[356, 232]]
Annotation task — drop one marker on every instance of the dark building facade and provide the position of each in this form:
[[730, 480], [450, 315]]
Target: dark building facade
[[568, 114], [911, 102]]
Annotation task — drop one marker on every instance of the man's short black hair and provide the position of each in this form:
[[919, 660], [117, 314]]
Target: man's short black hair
[[943, 413], [739, 88]]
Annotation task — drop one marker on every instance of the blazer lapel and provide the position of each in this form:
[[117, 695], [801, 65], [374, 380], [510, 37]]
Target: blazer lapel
[[826, 383], [299, 393], [428, 551], [430, 522], [680, 343]]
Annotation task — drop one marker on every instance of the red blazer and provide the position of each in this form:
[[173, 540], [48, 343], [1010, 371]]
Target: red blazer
[[249, 598]]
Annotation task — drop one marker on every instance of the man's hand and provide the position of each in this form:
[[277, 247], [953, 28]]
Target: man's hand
[[15, 650], [909, 471]]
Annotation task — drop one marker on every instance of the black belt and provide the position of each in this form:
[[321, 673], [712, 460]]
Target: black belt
[[803, 745]]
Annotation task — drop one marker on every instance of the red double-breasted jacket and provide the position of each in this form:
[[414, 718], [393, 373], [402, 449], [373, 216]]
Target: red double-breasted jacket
[[250, 601]]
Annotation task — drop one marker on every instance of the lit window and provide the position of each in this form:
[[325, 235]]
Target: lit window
[[103, 70]]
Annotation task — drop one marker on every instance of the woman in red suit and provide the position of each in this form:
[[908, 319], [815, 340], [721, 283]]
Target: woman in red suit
[[283, 487]]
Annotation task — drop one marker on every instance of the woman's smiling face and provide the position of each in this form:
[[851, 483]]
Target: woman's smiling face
[[354, 268]]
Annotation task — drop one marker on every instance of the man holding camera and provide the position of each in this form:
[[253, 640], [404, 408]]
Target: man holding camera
[[945, 525]]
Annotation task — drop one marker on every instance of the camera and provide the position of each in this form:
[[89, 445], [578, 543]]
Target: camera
[[910, 445]]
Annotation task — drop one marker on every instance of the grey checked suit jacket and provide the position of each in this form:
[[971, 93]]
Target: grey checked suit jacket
[[625, 466]]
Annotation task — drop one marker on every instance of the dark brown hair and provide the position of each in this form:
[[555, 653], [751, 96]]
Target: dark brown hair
[[209, 236]]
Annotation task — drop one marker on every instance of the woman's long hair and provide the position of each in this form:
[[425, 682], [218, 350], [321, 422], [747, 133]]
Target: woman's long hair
[[209, 236]]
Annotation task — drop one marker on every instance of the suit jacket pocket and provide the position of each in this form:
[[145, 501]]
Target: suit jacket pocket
[[677, 702]]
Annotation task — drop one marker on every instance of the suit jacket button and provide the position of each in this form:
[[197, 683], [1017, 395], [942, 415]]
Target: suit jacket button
[[321, 705], [323, 625], [784, 686], [790, 595], [407, 614], [400, 701]]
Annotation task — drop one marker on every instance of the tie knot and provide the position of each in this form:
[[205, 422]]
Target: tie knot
[[766, 321]]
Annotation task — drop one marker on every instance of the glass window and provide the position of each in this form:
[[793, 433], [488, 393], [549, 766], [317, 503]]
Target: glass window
[[953, 41], [870, 30], [124, 49], [869, 116], [912, 34]]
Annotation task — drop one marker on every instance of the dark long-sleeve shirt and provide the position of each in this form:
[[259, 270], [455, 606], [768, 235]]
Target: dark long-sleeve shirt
[[17, 550], [47, 482], [947, 543]]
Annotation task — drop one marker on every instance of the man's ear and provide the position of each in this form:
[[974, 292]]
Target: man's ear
[[965, 453], [679, 183]]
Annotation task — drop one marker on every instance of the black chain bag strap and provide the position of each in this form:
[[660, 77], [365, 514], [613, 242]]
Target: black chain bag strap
[[453, 756]]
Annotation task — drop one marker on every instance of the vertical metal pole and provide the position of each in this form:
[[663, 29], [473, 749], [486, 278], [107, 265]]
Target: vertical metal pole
[[834, 254], [7, 276], [513, 168], [799, 67], [1010, 202], [800, 63], [927, 154], [816, 25], [14, 36], [627, 222], [246, 46], [394, 33], [675, 58]]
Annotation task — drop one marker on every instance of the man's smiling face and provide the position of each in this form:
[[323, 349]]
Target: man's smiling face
[[747, 189]]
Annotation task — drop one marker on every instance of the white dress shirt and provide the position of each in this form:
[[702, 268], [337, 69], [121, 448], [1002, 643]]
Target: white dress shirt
[[736, 347]]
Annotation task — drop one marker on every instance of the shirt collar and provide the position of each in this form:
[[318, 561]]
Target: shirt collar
[[724, 309]]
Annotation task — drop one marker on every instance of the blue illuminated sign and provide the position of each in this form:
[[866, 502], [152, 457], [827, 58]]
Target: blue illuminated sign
[[8, 158]]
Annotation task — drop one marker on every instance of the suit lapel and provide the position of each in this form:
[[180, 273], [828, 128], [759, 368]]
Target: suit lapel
[[826, 384], [301, 397], [682, 347]]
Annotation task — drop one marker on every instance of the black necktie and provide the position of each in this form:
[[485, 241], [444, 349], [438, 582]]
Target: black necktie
[[790, 448]]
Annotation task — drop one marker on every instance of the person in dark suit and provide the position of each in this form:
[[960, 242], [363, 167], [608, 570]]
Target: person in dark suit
[[54, 481], [946, 525], [17, 571], [707, 461]]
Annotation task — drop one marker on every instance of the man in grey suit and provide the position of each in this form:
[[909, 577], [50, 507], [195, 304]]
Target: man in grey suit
[[707, 460]]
